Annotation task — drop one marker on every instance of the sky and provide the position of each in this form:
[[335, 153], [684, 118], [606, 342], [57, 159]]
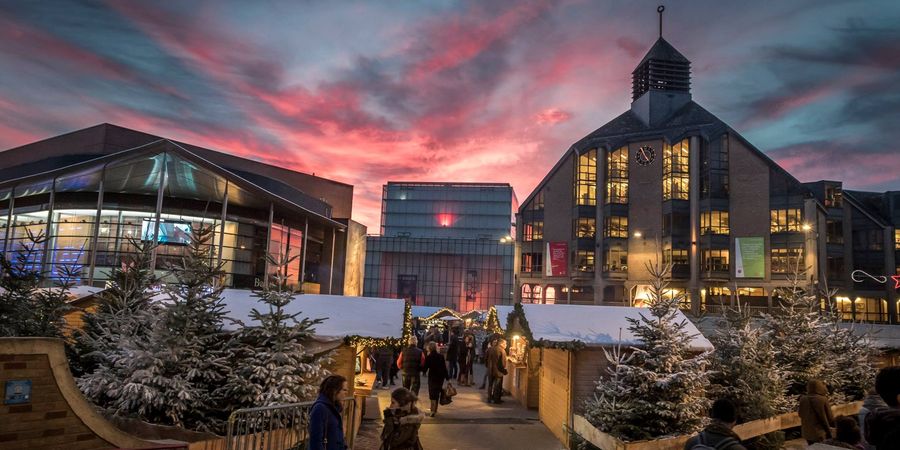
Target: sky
[[438, 90]]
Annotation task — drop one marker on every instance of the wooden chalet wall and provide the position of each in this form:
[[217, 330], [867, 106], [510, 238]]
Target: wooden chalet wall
[[556, 392], [589, 365]]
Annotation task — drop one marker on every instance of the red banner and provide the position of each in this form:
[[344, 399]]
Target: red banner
[[557, 259]]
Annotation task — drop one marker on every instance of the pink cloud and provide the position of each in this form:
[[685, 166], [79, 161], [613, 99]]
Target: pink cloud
[[552, 116]]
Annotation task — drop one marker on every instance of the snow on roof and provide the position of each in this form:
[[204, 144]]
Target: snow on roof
[[424, 311], [592, 325], [345, 316]]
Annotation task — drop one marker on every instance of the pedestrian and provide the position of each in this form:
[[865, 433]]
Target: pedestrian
[[718, 434], [384, 355], [326, 426], [394, 368], [871, 402], [487, 350], [883, 425], [846, 434], [436, 369], [453, 346], [410, 363], [816, 420], [401, 422], [466, 357], [433, 335], [498, 370]]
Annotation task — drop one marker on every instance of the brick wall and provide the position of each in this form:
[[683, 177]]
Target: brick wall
[[48, 421]]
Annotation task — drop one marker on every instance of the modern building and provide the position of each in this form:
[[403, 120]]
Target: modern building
[[96, 192], [669, 178], [444, 244]]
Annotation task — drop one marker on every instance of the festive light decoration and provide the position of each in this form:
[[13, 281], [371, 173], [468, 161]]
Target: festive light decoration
[[518, 314], [369, 342], [441, 313]]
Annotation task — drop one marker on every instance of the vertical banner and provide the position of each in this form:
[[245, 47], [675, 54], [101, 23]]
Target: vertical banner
[[557, 259], [749, 257]]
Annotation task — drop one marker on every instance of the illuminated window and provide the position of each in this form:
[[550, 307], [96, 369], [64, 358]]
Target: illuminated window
[[526, 293], [678, 257], [785, 220], [536, 294], [615, 260], [786, 260], [834, 198], [617, 176], [584, 260], [870, 309], [586, 178], [676, 178], [533, 231], [897, 239], [714, 260], [550, 295], [714, 222], [751, 292], [844, 307], [585, 227], [532, 262], [616, 226]]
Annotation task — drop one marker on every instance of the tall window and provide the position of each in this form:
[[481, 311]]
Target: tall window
[[526, 293], [714, 222], [616, 226], [550, 295], [786, 260], [586, 178], [714, 168], [676, 169], [615, 260], [714, 260], [584, 260], [897, 239], [617, 176], [532, 262], [785, 220], [537, 202], [834, 231], [533, 231], [585, 227]]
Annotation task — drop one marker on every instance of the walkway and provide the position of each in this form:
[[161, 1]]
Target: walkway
[[471, 424]]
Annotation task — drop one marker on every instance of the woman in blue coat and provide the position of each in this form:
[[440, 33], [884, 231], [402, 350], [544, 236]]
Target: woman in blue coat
[[326, 427]]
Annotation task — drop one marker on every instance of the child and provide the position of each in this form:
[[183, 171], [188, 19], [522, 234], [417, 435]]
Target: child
[[401, 422]]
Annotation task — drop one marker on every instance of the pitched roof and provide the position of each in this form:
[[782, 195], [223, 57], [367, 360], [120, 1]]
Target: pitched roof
[[662, 50]]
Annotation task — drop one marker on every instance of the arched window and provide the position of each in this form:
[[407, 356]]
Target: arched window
[[526, 293], [550, 295], [537, 294]]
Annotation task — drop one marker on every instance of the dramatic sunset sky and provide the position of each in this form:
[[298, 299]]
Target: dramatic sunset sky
[[366, 92]]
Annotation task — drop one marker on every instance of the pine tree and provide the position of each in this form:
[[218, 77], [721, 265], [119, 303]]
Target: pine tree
[[658, 388], [271, 361], [851, 366], [25, 308]]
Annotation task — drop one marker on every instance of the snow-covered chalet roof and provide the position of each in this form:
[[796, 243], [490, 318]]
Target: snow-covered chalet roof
[[591, 325], [424, 311], [345, 316]]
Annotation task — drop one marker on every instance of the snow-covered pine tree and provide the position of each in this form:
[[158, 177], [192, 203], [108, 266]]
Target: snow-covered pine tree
[[270, 356], [124, 315], [659, 388], [798, 331], [743, 370], [170, 376], [850, 367]]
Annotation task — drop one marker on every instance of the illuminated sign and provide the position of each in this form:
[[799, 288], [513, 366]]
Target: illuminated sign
[[557, 259], [859, 275], [749, 257]]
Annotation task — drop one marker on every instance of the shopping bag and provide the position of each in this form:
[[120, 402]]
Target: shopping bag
[[450, 390]]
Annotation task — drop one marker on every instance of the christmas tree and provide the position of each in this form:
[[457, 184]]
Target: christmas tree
[[270, 356], [657, 388]]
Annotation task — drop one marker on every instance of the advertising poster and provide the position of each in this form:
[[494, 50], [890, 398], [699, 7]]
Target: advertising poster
[[557, 259], [749, 257]]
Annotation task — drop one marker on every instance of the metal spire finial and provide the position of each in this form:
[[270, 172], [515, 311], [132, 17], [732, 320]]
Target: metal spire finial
[[660, 10]]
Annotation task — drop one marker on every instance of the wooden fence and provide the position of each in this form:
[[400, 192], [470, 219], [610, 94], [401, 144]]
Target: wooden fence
[[745, 430]]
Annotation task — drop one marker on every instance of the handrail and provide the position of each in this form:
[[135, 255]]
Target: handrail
[[280, 427]]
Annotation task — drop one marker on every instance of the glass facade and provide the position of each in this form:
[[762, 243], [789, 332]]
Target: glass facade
[[92, 215], [676, 170], [586, 178], [617, 176]]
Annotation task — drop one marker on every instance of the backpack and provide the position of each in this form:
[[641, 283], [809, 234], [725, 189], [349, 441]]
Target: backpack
[[702, 445]]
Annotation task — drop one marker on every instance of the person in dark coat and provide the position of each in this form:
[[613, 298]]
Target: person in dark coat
[[410, 362], [466, 359], [401, 422], [496, 367], [883, 425], [846, 434], [436, 369], [816, 420], [718, 434], [384, 356], [453, 346], [486, 347], [326, 426]]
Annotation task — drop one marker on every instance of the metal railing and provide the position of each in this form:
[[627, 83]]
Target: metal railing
[[281, 427]]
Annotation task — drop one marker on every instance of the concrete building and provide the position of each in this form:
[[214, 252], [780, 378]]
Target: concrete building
[[95, 192], [669, 178], [444, 244]]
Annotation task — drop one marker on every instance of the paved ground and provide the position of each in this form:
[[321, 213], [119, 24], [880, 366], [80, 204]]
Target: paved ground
[[471, 424]]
